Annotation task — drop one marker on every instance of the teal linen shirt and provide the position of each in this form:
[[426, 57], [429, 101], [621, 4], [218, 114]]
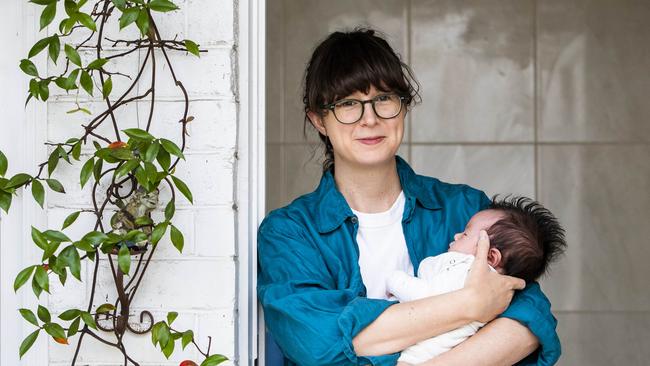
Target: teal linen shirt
[[310, 285]]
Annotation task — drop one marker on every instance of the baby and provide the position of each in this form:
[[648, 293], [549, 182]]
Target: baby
[[524, 239]]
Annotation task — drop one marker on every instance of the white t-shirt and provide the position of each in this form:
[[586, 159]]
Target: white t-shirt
[[382, 248]]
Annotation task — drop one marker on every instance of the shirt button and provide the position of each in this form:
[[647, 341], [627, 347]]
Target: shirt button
[[354, 219]]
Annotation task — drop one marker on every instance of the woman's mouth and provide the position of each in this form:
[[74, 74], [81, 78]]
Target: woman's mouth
[[371, 140]]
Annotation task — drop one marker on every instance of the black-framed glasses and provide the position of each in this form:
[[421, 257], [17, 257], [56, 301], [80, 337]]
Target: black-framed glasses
[[348, 111]]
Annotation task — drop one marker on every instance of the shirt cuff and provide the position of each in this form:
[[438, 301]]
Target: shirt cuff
[[357, 315]]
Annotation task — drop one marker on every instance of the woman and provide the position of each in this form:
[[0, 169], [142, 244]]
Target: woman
[[323, 258]]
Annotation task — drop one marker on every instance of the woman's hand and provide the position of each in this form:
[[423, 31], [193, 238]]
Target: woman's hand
[[489, 292]]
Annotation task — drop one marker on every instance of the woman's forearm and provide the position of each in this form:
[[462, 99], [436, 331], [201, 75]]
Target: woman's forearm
[[405, 324], [502, 342]]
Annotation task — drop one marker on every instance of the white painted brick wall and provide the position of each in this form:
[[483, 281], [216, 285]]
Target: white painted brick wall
[[200, 282]]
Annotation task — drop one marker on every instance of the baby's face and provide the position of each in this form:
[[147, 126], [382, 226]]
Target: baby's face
[[465, 242]]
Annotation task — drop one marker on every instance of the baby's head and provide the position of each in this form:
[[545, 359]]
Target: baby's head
[[524, 236]]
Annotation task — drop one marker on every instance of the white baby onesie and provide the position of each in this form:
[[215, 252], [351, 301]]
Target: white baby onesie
[[437, 275]]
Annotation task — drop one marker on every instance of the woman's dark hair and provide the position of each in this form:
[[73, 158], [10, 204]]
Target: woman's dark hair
[[346, 62], [529, 237]]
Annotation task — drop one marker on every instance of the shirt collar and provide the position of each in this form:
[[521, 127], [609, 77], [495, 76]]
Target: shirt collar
[[333, 209]]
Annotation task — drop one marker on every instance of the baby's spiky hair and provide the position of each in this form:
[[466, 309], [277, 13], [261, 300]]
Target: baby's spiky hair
[[529, 237]]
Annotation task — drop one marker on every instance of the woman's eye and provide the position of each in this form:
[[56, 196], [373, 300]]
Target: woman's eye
[[346, 103], [383, 98]]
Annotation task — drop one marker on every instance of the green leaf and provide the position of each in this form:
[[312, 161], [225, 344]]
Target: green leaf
[[86, 170], [95, 237], [55, 48], [138, 134], [143, 221], [162, 5], [183, 188], [50, 249], [158, 232], [38, 47], [97, 169], [74, 327], [63, 275], [55, 330], [71, 7], [38, 192], [163, 335], [36, 288], [105, 308], [107, 87], [97, 64], [119, 3], [87, 21], [43, 89], [70, 258], [57, 236], [192, 48], [29, 316], [88, 319], [4, 163], [214, 360], [43, 314], [171, 316], [18, 180], [28, 342], [28, 67], [55, 185], [42, 279], [48, 15], [169, 210], [70, 314], [143, 22], [124, 259], [23, 276], [39, 238], [70, 219], [171, 148], [188, 336], [52, 162], [168, 349], [163, 159], [86, 82], [129, 16], [5, 200], [152, 152], [72, 55], [43, 2], [126, 167], [84, 245], [76, 151], [177, 238]]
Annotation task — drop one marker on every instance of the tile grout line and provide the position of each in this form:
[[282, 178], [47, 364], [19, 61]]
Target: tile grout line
[[536, 100]]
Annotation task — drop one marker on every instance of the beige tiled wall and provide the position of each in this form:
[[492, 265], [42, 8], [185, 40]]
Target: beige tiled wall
[[545, 98]]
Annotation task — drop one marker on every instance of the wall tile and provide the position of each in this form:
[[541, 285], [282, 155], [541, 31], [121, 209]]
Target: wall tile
[[593, 62], [604, 339], [502, 169], [474, 60], [274, 176], [303, 169], [274, 71], [600, 195], [387, 16]]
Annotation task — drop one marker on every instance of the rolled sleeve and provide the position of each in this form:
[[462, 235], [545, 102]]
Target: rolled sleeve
[[531, 308], [312, 321]]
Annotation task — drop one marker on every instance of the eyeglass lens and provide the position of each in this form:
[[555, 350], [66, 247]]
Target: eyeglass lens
[[385, 106]]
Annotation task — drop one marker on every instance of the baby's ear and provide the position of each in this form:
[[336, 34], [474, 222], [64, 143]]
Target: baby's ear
[[494, 257]]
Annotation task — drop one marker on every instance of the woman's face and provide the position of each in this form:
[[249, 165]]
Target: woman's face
[[370, 141]]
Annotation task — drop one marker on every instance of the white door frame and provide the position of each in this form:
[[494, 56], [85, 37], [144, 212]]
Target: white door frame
[[250, 172]]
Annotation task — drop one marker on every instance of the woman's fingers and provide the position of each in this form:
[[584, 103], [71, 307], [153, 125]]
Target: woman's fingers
[[516, 283]]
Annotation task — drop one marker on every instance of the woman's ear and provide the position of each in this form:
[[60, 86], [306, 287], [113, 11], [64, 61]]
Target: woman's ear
[[317, 121], [494, 257]]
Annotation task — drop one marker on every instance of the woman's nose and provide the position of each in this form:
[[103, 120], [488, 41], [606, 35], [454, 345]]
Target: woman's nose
[[369, 117], [456, 236]]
